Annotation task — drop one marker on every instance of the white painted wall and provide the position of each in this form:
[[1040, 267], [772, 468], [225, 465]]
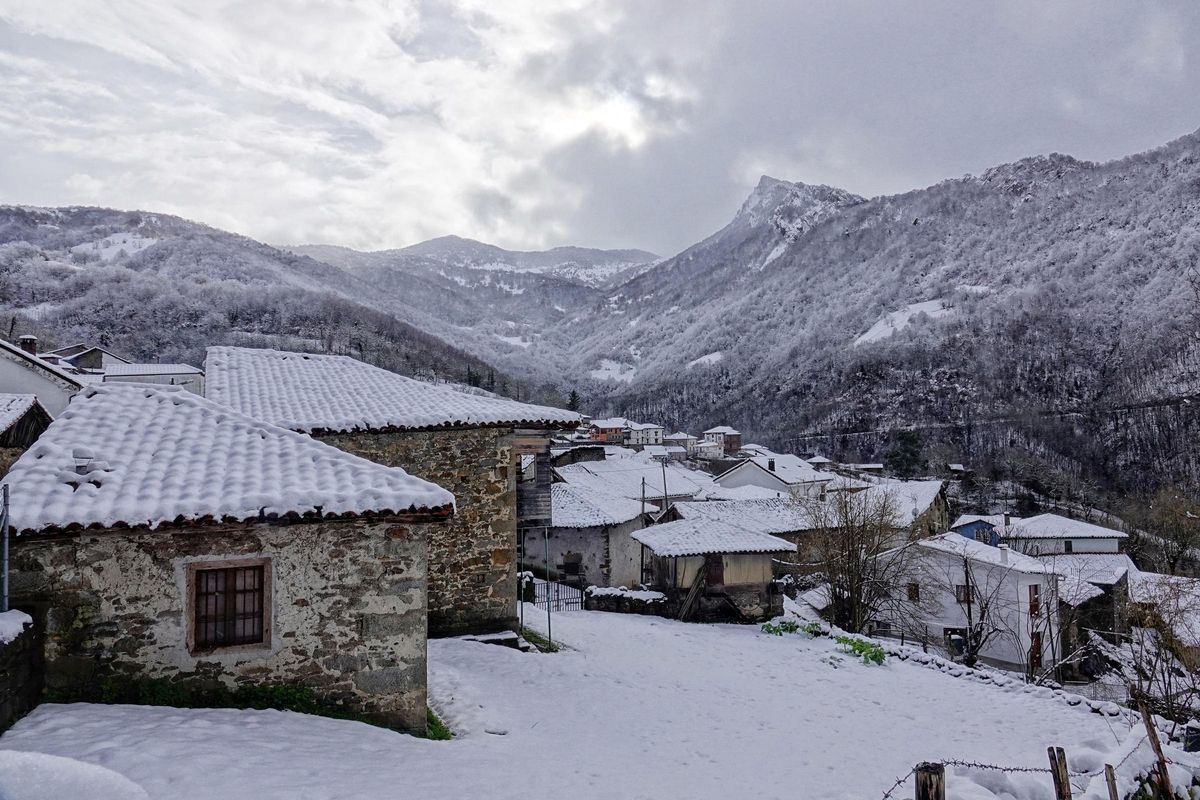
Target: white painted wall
[[1035, 547], [21, 378], [937, 573]]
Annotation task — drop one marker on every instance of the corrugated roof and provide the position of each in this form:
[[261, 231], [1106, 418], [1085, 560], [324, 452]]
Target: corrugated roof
[[128, 370], [312, 392], [158, 455]]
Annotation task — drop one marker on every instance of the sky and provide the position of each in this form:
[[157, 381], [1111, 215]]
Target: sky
[[528, 124]]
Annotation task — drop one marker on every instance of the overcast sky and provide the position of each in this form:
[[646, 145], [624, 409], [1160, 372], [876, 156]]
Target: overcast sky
[[532, 124]]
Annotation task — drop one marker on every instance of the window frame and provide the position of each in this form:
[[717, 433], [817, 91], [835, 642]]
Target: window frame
[[963, 593], [268, 608], [914, 592]]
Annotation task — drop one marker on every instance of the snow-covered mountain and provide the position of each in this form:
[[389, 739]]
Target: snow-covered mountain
[[1051, 290]]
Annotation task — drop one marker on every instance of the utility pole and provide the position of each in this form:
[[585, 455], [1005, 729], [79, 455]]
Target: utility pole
[[4, 547], [546, 552]]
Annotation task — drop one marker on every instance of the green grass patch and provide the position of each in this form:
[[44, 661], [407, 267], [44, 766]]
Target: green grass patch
[[537, 640], [436, 729]]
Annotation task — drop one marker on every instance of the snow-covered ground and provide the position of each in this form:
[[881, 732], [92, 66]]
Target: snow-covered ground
[[707, 360], [610, 370], [110, 247], [636, 707], [894, 321]]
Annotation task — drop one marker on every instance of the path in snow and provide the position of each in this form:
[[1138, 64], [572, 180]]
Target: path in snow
[[640, 707]]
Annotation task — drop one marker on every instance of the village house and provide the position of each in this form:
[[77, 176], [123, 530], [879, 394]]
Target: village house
[[642, 434], [953, 588], [712, 570], [779, 472], [590, 541], [163, 536], [610, 431], [706, 450], [681, 439], [22, 372], [1043, 534], [22, 421], [84, 356], [728, 439], [468, 443]]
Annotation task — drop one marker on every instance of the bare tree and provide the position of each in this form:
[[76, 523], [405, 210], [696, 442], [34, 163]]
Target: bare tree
[[850, 532], [1164, 668]]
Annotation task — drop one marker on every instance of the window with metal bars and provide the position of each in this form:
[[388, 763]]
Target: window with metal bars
[[229, 607]]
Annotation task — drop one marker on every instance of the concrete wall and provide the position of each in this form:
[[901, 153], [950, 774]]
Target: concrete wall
[[19, 377], [1044, 546], [347, 611], [22, 672], [473, 558]]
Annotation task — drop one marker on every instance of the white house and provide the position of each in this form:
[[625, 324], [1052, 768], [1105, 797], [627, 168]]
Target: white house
[[1044, 534], [22, 372], [780, 472], [681, 439], [729, 439], [640, 434], [954, 588]]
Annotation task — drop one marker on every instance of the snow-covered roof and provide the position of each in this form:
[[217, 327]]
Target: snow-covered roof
[[310, 392], [611, 423], [1104, 569], [1043, 526], [724, 429], [1175, 598], [161, 455], [819, 460], [747, 492], [70, 352], [788, 468], [14, 353], [644, 426], [583, 507], [774, 515], [129, 370], [623, 477], [911, 498], [655, 450], [688, 537], [13, 407], [680, 435], [675, 449], [959, 545], [956, 467]]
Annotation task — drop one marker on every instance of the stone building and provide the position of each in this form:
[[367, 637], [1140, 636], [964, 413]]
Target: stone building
[[591, 539], [163, 536], [467, 442]]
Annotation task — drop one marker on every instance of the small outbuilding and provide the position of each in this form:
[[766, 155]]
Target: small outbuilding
[[712, 570], [22, 421], [162, 536], [590, 542]]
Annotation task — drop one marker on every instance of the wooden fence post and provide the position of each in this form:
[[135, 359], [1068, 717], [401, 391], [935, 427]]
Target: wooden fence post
[[1110, 778], [1058, 771], [1164, 777], [931, 781]]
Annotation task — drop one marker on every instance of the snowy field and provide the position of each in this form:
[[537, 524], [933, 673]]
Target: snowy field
[[639, 707]]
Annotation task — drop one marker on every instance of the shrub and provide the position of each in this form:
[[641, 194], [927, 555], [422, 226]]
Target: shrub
[[779, 629], [870, 652]]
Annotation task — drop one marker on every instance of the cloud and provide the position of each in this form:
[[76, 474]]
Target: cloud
[[374, 123]]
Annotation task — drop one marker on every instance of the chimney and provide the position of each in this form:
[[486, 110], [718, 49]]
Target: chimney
[[1003, 554], [28, 343], [771, 464], [1006, 519]]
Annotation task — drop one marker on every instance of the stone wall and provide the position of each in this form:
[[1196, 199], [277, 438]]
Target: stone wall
[[22, 672], [348, 613], [473, 558]]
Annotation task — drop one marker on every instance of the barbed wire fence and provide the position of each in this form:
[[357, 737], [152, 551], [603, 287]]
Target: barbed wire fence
[[1079, 779]]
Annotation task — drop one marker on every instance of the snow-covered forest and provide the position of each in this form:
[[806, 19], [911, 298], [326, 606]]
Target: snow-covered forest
[[1044, 305]]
